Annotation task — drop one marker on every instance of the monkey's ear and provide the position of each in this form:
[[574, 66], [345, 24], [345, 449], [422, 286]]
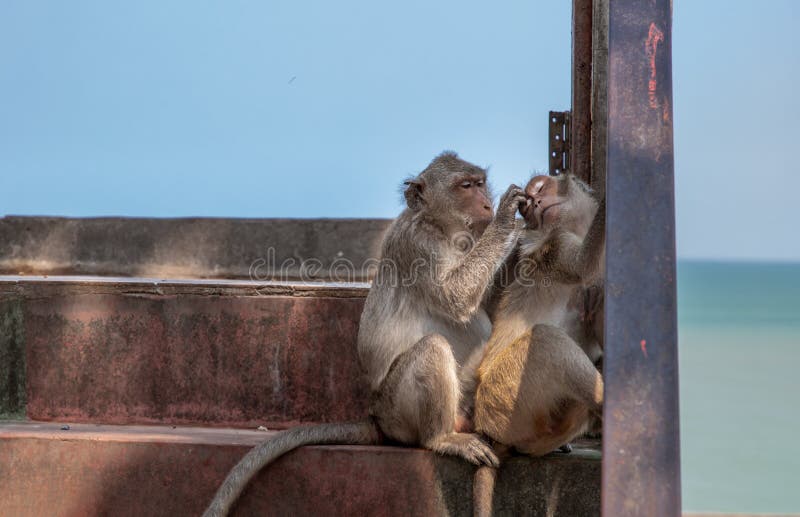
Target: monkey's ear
[[413, 194]]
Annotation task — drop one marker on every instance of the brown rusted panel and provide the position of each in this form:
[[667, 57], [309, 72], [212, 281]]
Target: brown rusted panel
[[581, 149], [192, 358], [154, 477], [641, 453]]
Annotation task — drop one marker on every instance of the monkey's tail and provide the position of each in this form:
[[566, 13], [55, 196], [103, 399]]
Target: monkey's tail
[[483, 484], [359, 433], [483, 491]]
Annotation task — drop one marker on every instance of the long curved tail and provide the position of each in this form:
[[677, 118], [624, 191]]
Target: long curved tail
[[483, 491], [359, 433], [483, 484]]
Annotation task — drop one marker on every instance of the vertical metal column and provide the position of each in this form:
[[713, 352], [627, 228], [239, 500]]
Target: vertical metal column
[[641, 453], [599, 94], [581, 112]]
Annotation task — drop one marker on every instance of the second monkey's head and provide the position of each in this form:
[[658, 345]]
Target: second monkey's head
[[558, 201]]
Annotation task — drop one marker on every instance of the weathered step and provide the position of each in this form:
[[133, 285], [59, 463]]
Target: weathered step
[[190, 247], [109, 470], [233, 353]]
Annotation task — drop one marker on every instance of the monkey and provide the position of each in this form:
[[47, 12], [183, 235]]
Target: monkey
[[536, 387], [423, 319]]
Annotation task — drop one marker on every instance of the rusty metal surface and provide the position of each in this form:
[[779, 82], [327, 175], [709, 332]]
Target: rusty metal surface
[[559, 130], [641, 454], [40, 285], [599, 94], [176, 474], [581, 111], [189, 353]]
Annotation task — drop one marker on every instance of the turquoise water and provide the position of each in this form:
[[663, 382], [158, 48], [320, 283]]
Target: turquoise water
[[739, 332]]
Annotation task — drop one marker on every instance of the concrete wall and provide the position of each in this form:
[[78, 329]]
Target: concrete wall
[[190, 248]]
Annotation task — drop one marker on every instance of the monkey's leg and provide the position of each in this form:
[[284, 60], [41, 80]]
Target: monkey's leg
[[419, 399], [554, 360], [571, 423]]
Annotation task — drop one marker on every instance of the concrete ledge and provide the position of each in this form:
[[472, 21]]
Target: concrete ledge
[[190, 247], [210, 352], [175, 472]]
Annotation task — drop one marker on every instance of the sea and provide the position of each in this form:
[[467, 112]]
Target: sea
[[739, 353]]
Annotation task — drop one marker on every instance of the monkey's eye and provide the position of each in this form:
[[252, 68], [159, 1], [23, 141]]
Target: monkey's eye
[[480, 183], [466, 184]]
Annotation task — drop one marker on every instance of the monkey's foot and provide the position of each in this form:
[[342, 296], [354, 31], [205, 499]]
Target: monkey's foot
[[465, 445], [566, 448]]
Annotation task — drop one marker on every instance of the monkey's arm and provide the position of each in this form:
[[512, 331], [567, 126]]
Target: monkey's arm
[[592, 251], [458, 287], [577, 260], [502, 279]]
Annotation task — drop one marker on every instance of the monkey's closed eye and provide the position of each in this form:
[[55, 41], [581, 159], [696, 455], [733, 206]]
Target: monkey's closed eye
[[466, 184]]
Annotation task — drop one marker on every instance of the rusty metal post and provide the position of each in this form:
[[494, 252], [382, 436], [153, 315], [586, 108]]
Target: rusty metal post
[[599, 94], [641, 453], [581, 112]]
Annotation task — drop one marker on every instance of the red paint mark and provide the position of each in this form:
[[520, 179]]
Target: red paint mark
[[643, 345], [654, 37]]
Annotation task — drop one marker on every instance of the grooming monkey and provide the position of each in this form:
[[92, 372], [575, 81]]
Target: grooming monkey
[[422, 320], [536, 387]]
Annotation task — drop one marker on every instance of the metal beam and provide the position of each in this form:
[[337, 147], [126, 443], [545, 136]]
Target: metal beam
[[599, 94], [641, 453], [581, 112]]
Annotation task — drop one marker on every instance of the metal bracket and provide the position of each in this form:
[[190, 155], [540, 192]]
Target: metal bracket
[[560, 142]]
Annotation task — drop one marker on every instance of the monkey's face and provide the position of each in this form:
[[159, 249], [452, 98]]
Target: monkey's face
[[472, 199], [450, 187], [546, 197]]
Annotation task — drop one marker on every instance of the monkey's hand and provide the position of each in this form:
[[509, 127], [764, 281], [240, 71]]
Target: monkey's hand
[[508, 206]]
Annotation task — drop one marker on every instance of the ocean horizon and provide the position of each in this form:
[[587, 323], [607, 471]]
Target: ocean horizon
[[739, 351]]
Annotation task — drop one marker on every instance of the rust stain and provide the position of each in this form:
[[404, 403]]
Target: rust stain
[[654, 37], [643, 345], [233, 361]]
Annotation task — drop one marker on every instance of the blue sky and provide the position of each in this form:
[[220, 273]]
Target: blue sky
[[309, 109]]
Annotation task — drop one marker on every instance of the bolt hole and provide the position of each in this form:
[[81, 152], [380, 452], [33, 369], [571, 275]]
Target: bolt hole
[[554, 154], [558, 137]]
